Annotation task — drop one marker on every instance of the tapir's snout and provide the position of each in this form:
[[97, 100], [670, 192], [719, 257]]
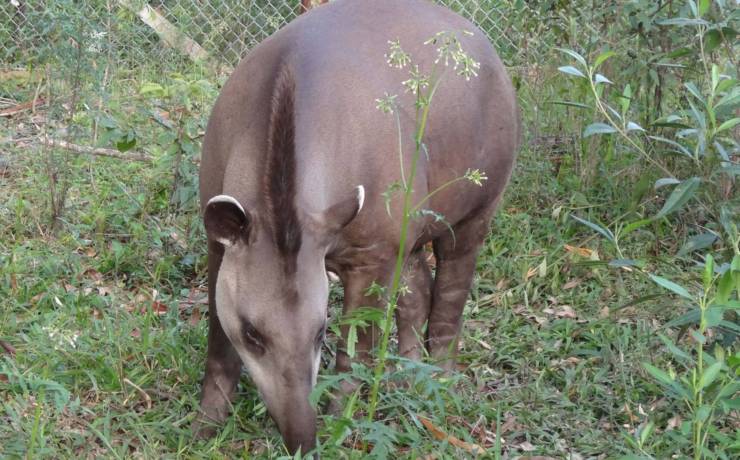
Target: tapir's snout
[[296, 421], [299, 429], [286, 394]]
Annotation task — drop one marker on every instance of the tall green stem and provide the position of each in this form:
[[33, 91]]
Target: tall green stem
[[400, 258]]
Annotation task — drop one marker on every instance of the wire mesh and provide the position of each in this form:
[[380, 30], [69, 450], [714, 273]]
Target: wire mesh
[[224, 29]]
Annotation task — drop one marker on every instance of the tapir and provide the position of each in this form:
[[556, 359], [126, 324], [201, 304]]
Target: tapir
[[295, 162]]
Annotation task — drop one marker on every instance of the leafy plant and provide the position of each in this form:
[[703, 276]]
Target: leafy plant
[[707, 384]]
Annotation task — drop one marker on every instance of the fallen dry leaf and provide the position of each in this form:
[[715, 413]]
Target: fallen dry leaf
[[135, 333], [484, 344], [584, 252], [571, 284], [442, 436], [674, 422], [509, 424], [158, 308], [526, 446], [7, 347], [194, 317], [566, 311]]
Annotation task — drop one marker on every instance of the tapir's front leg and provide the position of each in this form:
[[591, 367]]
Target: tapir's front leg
[[356, 282], [223, 365]]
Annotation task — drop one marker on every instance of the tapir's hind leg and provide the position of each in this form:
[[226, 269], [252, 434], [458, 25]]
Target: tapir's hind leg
[[223, 365], [456, 256], [414, 305]]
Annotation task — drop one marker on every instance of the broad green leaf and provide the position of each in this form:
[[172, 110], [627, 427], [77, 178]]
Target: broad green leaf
[[730, 99], [571, 104], [731, 170], [704, 7], [730, 405], [681, 22], [570, 70], [658, 374], [351, 340], [598, 128], [598, 78], [675, 351], [681, 149], [699, 337], [713, 316], [697, 242], [729, 124], [702, 413], [629, 228], [671, 286], [724, 287], [732, 326], [646, 431], [665, 181], [679, 197], [574, 55], [695, 91], [729, 390], [632, 126], [627, 263], [691, 317], [626, 98], [601, 58], [725, 84], [604, 231], [710, 375]]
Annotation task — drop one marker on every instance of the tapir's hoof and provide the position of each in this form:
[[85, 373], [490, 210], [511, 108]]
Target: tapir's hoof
[[207, 423], [202, 430]]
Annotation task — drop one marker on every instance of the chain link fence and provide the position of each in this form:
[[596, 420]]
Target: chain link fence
[[168, 33]]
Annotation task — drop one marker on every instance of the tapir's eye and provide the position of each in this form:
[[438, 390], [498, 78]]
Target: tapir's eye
[[252, 338]]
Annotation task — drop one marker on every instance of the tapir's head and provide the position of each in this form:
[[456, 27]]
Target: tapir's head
[[271, 297]]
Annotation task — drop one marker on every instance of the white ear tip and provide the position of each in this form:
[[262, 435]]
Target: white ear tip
[[226, 199], [360, 196]]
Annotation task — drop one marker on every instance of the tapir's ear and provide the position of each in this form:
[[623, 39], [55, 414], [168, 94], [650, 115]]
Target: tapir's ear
[[342, 213], [226, 221]]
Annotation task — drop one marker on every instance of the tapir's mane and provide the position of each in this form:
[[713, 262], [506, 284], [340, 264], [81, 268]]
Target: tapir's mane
[[279, 178]]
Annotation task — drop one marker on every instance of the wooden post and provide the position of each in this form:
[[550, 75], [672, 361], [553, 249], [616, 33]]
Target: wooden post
[[171, 35], [308, 4]]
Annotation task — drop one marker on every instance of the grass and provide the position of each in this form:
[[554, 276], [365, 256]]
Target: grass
[[108, 322]]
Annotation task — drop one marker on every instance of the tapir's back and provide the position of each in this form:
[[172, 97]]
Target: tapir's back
[[337, 55]]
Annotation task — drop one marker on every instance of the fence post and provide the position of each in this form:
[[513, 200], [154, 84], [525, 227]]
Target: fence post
[[308, 4]]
